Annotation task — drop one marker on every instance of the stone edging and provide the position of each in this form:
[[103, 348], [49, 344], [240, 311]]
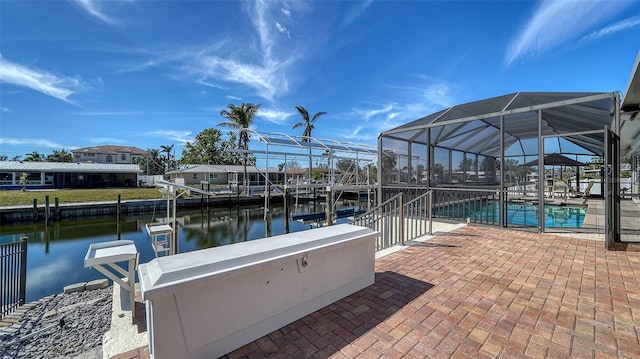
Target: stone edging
[[82, 286]]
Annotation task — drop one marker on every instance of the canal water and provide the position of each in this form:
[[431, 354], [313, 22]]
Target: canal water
[[55, 255]]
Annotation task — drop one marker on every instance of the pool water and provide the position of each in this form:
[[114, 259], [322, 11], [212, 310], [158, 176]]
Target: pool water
[[526, 214]]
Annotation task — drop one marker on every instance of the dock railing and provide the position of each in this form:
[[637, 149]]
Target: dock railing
[[398, 222], [13, 266]]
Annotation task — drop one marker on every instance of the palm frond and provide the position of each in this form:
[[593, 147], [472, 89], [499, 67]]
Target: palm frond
[[318, 115], [307, 123], [303, 113], [229, 124]]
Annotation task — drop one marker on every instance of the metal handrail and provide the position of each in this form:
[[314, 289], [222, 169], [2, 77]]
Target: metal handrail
[[382, 219], [414, 207], [397, 221], [374, 209]]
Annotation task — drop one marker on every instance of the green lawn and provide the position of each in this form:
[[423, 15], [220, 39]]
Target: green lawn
[[17, 197]]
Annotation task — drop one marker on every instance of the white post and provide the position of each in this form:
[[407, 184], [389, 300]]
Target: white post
[[174, 234], [297, 191]]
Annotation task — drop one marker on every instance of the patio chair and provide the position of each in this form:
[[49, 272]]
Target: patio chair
[[587, 191]]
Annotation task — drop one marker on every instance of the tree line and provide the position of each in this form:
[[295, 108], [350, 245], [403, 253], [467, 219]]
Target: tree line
[[208, 147], [56, 156]]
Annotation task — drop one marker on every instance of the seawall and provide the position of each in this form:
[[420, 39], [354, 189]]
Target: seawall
[[30, 214]]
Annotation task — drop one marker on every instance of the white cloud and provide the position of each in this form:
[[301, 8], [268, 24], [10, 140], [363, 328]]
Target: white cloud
[[355, 135], [369, 113], [274, 116], [406, 103], [173, 135], [235, 98], [558, 23], [103, 113], [6, 109], [436, 96], [213, 108], [209, 84], [94, 9], [138, 67], [266, 81], [122, 113], [261, 20], [105, 140], [58, 86], [258, 58], [613, 28], [33, 142], [283, 29], [355, 12], [269, 81], [258, 64]]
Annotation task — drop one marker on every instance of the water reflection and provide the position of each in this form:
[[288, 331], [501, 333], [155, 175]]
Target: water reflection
[[206, 229], [56, 253]]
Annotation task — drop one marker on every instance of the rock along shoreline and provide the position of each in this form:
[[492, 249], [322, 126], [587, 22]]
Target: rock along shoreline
[[63, 325]]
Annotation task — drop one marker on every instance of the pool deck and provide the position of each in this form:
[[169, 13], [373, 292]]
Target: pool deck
[[476, 292], [593, 226]]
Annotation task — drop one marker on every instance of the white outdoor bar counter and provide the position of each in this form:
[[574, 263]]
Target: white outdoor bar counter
[[206, 303]]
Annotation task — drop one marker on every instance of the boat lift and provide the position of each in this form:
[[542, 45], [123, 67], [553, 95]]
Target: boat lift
[[164, 236], [326, 153], [283, 148]]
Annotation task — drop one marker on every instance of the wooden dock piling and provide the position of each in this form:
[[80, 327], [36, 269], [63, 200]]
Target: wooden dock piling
[[35, 210], [47, 210]]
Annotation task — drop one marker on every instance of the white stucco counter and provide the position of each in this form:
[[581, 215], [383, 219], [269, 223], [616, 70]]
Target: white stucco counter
[[206, 303]]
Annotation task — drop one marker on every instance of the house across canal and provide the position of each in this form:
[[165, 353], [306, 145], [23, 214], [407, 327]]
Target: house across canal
[[40, 175]]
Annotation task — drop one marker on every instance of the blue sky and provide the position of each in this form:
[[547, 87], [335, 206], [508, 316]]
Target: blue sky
[[151, 73]]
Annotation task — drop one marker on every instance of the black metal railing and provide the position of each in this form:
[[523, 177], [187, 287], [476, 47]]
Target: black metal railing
[[13, 269]]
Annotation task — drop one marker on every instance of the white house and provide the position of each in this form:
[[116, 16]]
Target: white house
[[108, 154], [222, 175], [67, 175]]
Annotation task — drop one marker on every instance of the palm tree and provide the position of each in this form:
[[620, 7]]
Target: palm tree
[[155, 161], [34, 157], [167, 149], [307, 122], [241, 119], [152, 163], [60, 156]]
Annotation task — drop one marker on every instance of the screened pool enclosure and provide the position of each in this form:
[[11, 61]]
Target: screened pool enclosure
[[473, 155]]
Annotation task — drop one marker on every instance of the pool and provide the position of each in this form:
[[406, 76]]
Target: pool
[[526, 214], [518, 214]]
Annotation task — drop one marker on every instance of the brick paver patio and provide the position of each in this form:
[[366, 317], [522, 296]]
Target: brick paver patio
[[479, 292]]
